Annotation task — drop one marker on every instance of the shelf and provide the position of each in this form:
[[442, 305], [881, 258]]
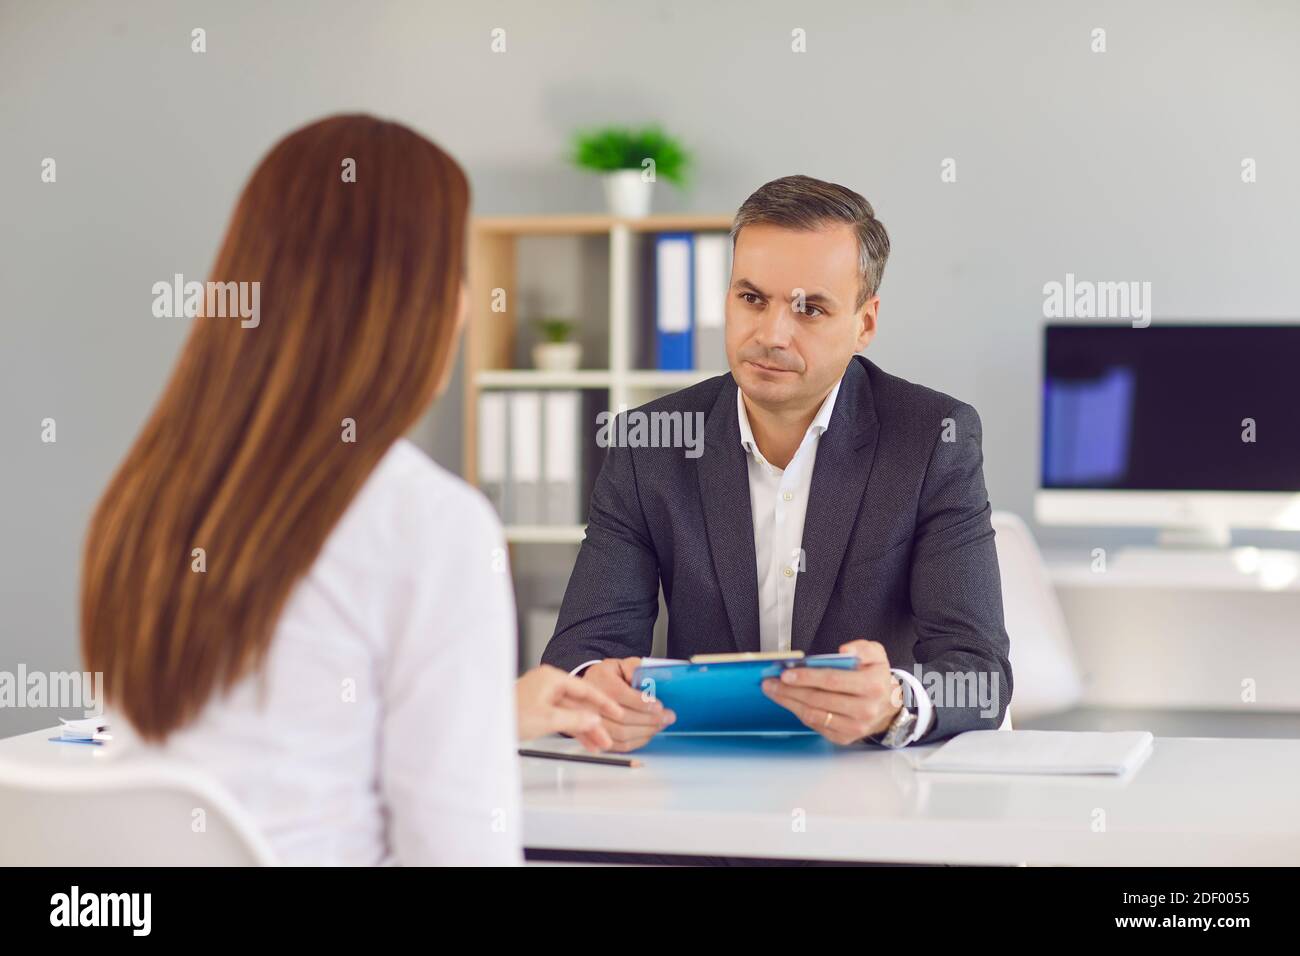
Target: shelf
[[673, 380], [587, 378], [545, 534], [532, 378], [582, 224]]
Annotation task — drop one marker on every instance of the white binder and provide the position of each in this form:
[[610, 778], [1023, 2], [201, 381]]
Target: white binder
[[524, 497], [712, 277], [561, 457], [492, 449]]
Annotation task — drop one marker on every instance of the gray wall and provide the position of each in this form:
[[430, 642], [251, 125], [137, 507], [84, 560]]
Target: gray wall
[[1122, 165]]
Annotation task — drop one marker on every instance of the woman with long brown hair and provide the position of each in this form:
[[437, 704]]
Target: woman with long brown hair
[[281, 588]]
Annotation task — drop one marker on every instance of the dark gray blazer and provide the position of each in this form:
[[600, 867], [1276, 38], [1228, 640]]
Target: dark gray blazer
[[897, 542]]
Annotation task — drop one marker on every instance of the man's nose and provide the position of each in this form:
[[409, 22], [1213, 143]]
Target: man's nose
[[776, 326]]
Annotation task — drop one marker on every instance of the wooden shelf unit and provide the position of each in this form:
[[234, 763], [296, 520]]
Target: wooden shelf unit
[[490, 337]]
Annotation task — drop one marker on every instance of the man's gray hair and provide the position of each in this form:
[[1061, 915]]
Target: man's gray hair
[[801, 202]]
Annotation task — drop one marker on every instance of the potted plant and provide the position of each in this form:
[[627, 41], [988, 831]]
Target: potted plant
[[631, 162], [555, 353]]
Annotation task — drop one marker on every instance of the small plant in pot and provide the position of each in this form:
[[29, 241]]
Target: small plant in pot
[[631, 161], [556, 352]]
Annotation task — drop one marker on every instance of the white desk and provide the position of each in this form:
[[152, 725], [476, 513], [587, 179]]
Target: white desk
[[1195, 802]]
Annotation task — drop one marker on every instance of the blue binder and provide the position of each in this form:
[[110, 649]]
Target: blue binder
[[675, 301], [710, 695]]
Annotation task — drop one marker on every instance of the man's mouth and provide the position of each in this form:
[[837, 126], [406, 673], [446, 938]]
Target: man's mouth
[[768, 368]]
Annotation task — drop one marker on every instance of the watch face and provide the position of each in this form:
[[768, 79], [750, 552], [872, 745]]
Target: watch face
[[902, 726]]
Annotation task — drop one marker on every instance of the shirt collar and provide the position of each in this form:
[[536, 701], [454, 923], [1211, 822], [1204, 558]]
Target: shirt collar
[[820, 423]]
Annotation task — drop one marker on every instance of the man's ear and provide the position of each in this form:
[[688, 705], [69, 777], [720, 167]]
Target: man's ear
[[867, 328]]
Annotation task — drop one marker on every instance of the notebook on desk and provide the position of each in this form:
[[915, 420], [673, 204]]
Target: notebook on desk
[[723, 693], [1041, 752]]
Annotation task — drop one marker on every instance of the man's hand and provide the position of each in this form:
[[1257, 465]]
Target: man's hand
[[549, 701], [642, 718], [842, 706]]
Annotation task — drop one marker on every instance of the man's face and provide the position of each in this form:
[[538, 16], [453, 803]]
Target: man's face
[[780, 356]]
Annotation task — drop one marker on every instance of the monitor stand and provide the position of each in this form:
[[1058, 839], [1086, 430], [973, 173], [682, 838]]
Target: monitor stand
[[1180, 550]]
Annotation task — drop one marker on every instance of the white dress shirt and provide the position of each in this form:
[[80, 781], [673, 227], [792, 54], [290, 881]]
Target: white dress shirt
[[382, 727], [778, 501]]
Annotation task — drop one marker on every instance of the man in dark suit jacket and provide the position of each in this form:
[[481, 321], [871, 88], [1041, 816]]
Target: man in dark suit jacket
[[833, 507]]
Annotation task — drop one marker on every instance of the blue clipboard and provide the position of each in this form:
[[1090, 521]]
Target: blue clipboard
[[725, 696]]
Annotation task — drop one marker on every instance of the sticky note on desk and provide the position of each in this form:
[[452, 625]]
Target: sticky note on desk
[[1041, 752]]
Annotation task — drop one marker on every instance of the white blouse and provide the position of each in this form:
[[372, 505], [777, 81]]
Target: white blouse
[[382, 727]]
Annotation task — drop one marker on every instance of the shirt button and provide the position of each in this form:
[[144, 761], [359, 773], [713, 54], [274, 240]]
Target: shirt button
[[789, 572], [788, 496]]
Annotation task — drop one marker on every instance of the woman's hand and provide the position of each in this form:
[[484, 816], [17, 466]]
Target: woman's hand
[[549, 701]]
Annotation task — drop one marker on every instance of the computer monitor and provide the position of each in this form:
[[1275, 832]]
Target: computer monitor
[[1193, 428]]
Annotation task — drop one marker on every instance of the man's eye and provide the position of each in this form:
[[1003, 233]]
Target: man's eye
[[749, 297], [810, 310]]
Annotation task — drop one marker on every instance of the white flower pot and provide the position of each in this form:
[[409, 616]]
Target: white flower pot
[[626, 194], [557, 356]]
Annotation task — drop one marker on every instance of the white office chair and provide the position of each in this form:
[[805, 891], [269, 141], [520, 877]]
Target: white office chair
[[143, 815], [1043, 663]]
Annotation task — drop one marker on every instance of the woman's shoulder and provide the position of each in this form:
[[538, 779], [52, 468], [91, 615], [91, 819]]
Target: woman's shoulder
[[411, 503], [406, 466]]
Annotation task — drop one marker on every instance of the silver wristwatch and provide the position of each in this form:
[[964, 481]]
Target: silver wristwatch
[[900, 730]]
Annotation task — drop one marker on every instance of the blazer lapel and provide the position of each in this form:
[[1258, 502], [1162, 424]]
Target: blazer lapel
[[845, 453], [724, 494]]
